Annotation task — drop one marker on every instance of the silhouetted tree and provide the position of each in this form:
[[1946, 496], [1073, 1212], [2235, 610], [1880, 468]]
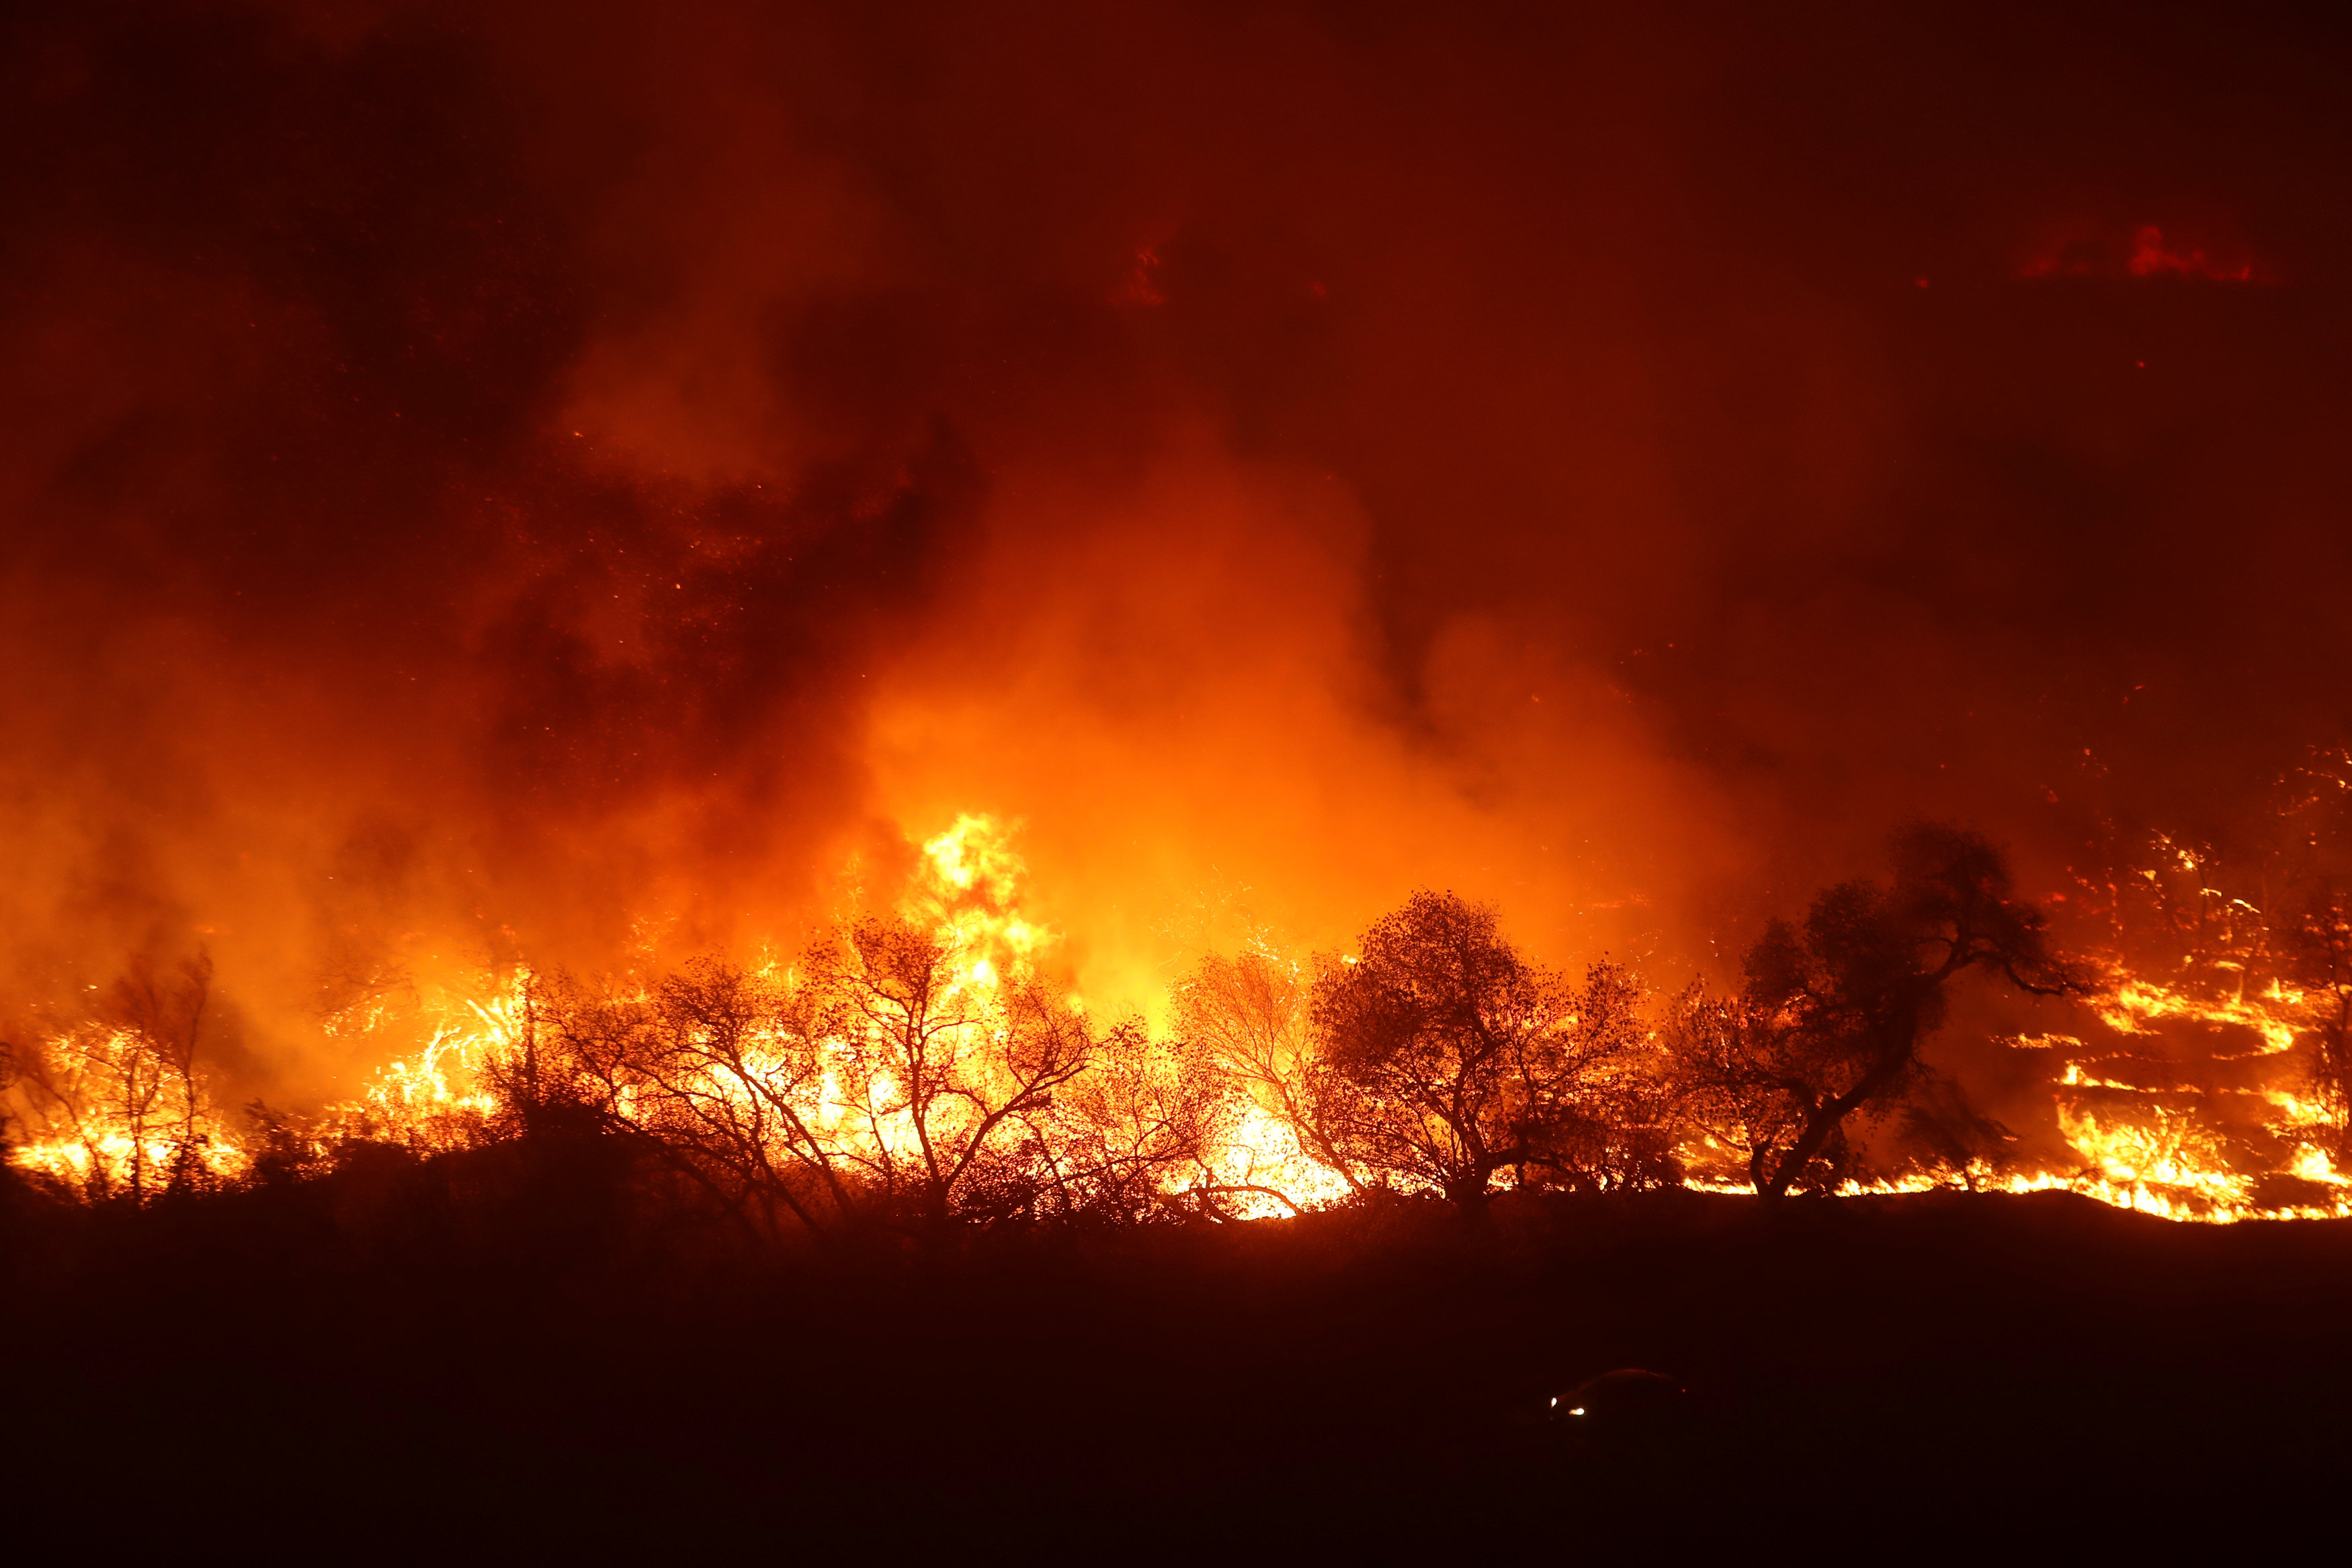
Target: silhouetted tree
[[720, 1072], [1833, 1017], [898, 1079], [944, 1071], [1465, 1059], [1247, 1019], [1611, 1124], [1135, 1135], [1743, 1098]]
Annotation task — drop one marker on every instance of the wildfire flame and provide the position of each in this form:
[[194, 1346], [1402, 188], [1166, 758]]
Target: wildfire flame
[[119, 1120]]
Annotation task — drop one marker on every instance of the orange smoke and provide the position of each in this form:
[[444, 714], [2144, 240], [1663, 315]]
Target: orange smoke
[[581, 489]]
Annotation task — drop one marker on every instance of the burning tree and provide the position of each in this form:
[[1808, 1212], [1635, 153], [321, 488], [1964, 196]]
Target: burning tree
[[949, 1072], [1453, 1058], [716, 1070], [1139, 1134], [117, 1107], [1609, 1120], [1833, 1017], [898, 1079], [1246, 1021]]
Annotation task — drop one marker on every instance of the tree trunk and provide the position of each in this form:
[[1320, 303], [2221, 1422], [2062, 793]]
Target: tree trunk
[[1819, 1125], [1900, 1037], [1896, 1042]]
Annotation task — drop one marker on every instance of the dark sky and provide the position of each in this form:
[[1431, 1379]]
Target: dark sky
[[478, 486]]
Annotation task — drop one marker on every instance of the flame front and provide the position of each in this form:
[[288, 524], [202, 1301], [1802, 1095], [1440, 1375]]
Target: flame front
[[961, 996]]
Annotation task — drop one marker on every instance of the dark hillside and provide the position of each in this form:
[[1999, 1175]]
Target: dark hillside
[[439, 1356]]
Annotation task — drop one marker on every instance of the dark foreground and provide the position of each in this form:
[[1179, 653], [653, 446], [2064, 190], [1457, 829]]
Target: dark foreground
[[338, 1370]]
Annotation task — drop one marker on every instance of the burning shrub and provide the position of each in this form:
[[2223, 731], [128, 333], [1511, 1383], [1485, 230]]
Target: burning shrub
[[1138, 1135], [945, 1072], [118, 1106], [898, 1080], [715, 1071], [1244, 1022]]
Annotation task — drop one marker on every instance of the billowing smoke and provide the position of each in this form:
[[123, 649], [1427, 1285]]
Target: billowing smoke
[[569, 479]]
